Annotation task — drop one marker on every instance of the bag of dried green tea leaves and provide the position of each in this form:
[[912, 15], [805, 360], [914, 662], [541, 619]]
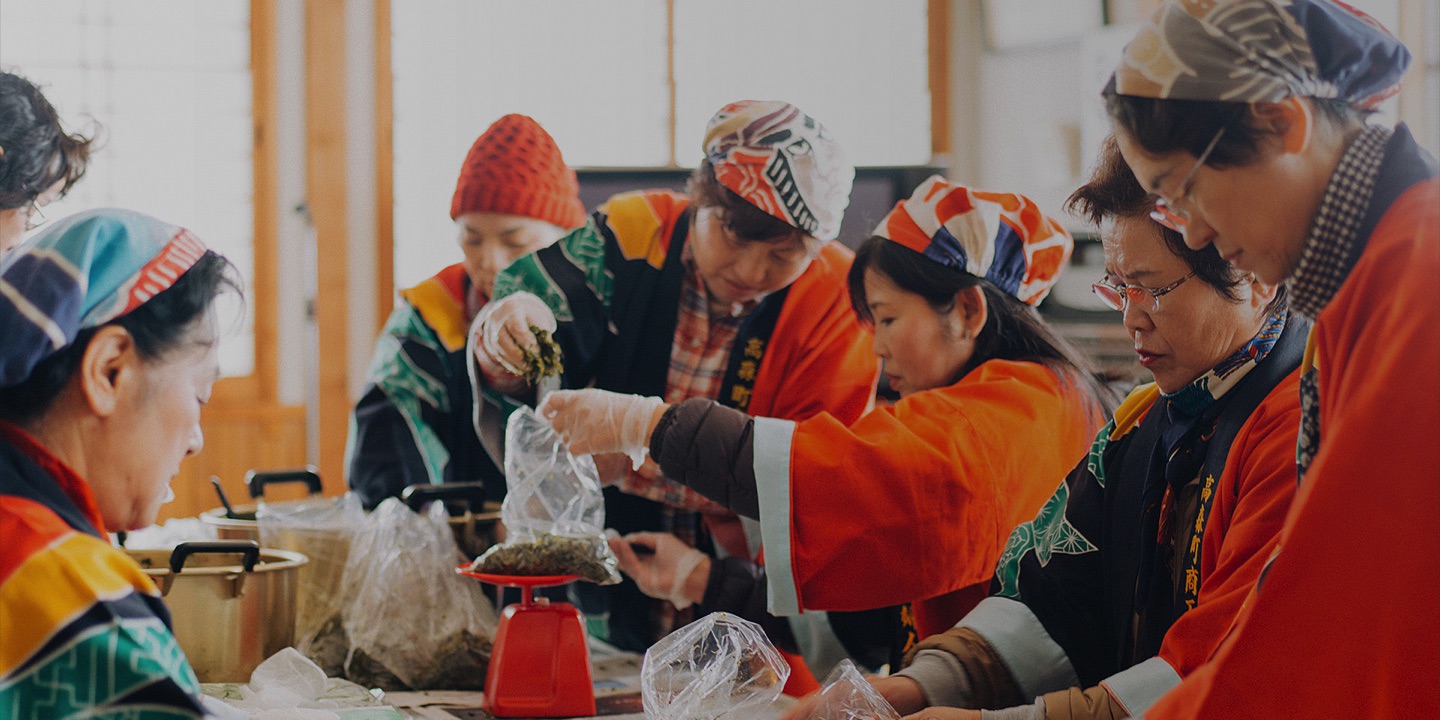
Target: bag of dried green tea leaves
[[847, 695], [412, 622], [721, 665], [554, 512]]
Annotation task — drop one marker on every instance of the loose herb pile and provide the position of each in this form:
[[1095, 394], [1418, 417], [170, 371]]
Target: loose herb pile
[[543, 362], [548, 555]]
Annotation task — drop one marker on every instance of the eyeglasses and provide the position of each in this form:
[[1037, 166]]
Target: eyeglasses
[[33, 217], [1173, 217], [1119, 297]]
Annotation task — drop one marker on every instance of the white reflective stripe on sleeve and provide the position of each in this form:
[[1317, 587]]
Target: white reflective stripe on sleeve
[[1034, 659], [772, 489], [753, 544], [1140, 686], [818, 643]]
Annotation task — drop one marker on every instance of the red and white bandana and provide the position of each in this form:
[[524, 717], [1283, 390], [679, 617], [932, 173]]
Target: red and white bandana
[[782, 161]]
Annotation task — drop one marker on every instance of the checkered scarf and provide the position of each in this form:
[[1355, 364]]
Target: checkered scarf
[[1331, 250], [1334, 242]]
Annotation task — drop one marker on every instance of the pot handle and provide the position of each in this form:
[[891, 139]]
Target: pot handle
[[256, 480], [249, 550], [415, 496]]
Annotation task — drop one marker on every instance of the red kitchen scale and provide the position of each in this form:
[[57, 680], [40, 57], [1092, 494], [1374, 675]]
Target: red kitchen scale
[[539, 664]]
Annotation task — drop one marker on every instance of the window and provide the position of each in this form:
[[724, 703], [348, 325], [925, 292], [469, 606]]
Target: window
[[168, 83], [598, 76]]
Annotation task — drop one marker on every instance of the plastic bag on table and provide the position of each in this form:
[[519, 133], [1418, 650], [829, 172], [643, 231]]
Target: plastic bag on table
[[847, 695], [320, 529], [554, 512], [412, 622], [717, 666]]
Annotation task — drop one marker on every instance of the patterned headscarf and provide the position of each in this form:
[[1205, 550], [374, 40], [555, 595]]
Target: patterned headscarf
[[82, 272], [1002, 237], [1262, 51], [782, 161]]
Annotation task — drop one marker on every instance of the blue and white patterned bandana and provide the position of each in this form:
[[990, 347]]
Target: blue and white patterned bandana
[[82, 272]]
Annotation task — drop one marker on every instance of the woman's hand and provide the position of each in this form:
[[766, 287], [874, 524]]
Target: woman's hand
[[599, 421], [502, 330], [662, 566], [901, 692]]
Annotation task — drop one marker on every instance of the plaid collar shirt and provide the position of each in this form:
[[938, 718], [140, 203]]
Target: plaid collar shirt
[[704, 336]]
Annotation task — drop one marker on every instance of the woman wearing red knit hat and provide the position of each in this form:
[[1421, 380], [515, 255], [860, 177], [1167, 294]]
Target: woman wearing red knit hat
[[414, 422]]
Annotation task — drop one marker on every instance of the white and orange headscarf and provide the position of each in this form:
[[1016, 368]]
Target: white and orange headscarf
[[1001, 237], [782, 161]]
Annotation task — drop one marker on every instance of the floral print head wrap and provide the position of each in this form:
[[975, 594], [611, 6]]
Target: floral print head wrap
[[1261, 51]]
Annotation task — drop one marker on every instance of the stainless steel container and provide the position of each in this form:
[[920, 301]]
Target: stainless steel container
[[232, 604]]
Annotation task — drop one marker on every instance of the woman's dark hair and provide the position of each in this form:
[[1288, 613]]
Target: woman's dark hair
[[1162, 126], [35, 150], [1012, 331], [159, 326], [1113, 192], [742, 218]]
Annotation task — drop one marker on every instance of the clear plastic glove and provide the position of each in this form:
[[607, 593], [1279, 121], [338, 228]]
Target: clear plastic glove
[[502, 329], [599, 421], [662, 566]]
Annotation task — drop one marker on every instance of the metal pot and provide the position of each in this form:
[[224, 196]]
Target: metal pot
[[228, 616], [476, 526], [237, 522]]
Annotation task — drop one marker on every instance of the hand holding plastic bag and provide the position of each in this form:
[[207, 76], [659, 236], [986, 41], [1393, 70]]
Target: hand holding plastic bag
[[501, 333], [554, 512], [599, 421], [846, 695], [721, 665]]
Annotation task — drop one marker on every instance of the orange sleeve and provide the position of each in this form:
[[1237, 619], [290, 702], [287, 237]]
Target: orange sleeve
[[918, 499]]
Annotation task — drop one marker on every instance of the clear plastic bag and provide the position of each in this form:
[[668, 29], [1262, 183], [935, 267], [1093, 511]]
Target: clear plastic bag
[[718, 666], [408, 615], [847, 695], [554, 512], [320, 529]]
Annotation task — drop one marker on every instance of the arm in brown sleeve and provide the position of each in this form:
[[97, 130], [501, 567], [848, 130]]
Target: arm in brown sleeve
[[709, 448], [990, 684]]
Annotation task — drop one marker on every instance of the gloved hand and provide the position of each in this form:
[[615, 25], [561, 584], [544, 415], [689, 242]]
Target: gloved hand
[[502, 328], [599, 421], [665, 571]]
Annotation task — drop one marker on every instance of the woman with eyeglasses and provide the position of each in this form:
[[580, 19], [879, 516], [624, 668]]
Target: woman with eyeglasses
[[39, 161], [1248, 119], [1132, 572]]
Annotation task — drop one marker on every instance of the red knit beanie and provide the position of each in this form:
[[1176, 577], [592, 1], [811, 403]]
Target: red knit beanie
[[515, 168]]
